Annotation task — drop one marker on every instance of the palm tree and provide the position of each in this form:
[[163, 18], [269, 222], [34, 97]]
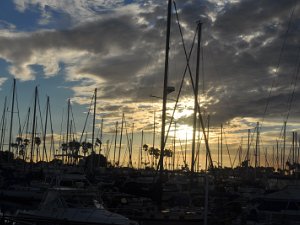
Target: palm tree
[[86, 146]]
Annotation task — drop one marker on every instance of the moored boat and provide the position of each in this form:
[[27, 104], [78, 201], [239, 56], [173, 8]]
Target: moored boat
[[71, 206]]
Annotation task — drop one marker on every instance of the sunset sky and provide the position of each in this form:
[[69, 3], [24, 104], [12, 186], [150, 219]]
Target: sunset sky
[[70, 47]]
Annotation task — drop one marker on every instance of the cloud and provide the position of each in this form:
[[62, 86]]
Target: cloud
[[2, 80], [122, 53], [4, 25], [79, 11]]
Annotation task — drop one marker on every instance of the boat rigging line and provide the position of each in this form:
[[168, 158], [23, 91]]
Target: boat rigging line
[[292, 95], [11, 115], [18, 113], [74, 129], [87, 116], [41, 127], [52, 131], [278, 64], [225, 139], [3, 124], [185, 71], [193, 86]]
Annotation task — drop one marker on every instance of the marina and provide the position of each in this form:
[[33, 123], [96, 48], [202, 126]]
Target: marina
[[167, 146]]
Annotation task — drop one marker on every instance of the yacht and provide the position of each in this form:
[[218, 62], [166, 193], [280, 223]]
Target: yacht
[[278, 207], [71, 206]]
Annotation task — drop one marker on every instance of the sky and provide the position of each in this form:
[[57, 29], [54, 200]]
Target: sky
[[250, 55]]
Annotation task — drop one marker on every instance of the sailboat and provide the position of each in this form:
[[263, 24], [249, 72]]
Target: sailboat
[[176, 215], [70, 206]]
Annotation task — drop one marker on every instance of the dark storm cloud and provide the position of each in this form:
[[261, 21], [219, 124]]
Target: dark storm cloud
[[242, 67], [242, 42], [95, 37], [248, 16], [118, 47], [120, 68]]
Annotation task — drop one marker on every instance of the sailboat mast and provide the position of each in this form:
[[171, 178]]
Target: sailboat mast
[[218, 151], [27, 131], [196, 100], [94, 120], [165, 91], [154, 134], [45, 130], [221, 157], [174, 146], [293, 148], [141, 152], [256, 146], [68, 125], [248, 149], [3, 125], [12, 115], [284, 142], [101, 136], [131, 146], [52, 132], [185, 148], [273, 157], [115, 146], [121, 137], [277, 155], [206, 176], [33, 125], [296, 148]]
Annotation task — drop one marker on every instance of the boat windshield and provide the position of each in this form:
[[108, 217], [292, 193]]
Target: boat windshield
[[81, 201]]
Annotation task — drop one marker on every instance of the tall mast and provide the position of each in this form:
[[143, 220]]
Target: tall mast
[[94, 120], [174, 147], [61, 138], [45, 130], [208, 126], [115, 146], [37, 150], [273, 157], [256, 145], [196, 99], [3, 119], [165, 91], [67, 137], [33, 125], [266, 157], [296, 147], [218, 151], [154, 134], [131, 146], [52, 133], [241, 152], [121, 136], [277, 155], [27, 131], [293, 148], [206, 176], [248, 149], [101, 135], [93, 132], [141, 152], [284, 140], [12, 115], [221, 157], [185, 148]]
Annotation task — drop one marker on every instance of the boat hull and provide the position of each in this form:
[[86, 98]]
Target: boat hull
[[50, 221]]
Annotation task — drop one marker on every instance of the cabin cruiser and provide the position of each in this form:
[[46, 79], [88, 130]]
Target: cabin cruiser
[[71, 206], [70, 180], [281, 207], [17, 196]]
